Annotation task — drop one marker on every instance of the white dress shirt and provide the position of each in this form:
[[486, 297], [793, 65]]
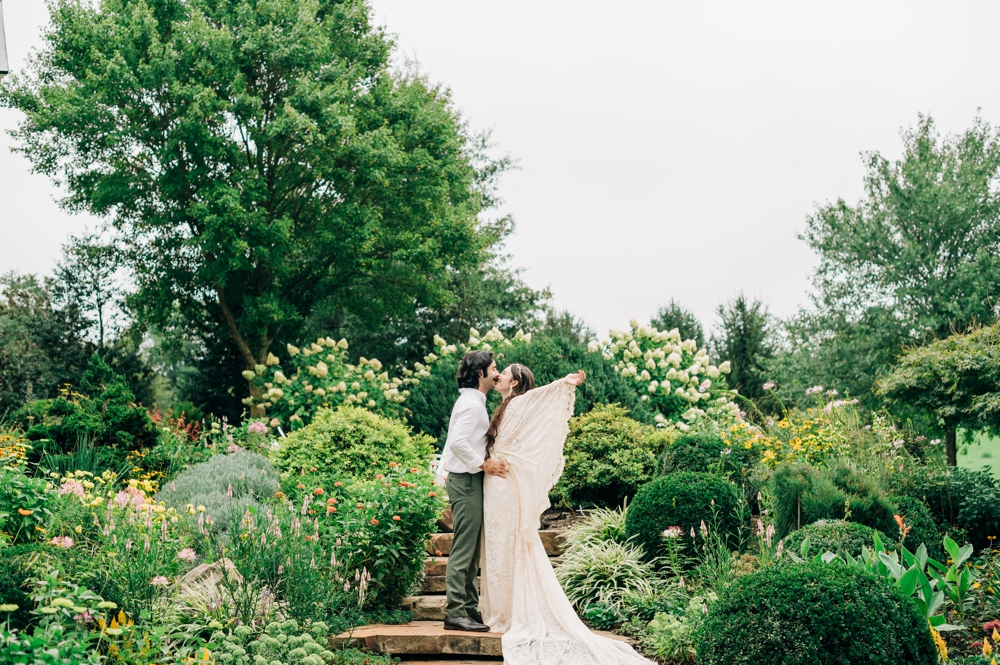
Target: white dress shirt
[[465, 447]]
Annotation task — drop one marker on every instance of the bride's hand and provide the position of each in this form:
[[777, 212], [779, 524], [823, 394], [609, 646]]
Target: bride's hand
[[576, 379]]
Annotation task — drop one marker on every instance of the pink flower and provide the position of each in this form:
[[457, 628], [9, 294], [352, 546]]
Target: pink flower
[[257, 427], [673, 532], [72, 487], [129, 496], [768, 386], [159, 580], [187, 554], [62, 541]]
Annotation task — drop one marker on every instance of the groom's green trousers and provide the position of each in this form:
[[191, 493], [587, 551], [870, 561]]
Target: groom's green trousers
[[465, 491]]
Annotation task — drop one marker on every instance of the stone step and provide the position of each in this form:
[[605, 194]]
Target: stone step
[[426, 638], [460, 661], [426, 608], [437, 566], [440, 543]]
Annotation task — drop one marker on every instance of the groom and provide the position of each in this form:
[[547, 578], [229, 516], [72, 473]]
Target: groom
[[463, 461]]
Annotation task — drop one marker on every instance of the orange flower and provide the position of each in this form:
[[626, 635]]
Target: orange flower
[[300, 486], [312, 469], [317, 491], [279, 495], [374, 522], [393, 464], [331, 500], [24, 512], [361, 505], [396, 518], [338, 484], [379, 477], [903, 528], [331, 509], [432, 494], [414, 470]]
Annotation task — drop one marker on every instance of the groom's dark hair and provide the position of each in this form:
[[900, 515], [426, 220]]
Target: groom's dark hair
[[472, 367]]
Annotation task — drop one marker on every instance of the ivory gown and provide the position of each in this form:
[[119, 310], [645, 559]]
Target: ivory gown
[[520, 595]]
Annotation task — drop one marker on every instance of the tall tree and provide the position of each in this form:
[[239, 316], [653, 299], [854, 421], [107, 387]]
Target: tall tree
[[256, 157], [87, 276], [917, 258], [956, 379], [743, 336], [674, 315]]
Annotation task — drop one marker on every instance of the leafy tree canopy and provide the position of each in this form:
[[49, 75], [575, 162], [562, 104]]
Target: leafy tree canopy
[[916, 258], [257, 158], [743, 336]]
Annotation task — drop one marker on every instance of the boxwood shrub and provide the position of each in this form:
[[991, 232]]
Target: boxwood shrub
[[349, 442], [608, 457], [814, 614], [682, 499], [917, 516], [835, 536], [705, 453]]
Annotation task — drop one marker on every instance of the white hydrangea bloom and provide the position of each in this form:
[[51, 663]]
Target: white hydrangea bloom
[[593, 347], [292, 350], [674, 359], [689, 345], [653, 385], [249, 375], [650, 364], [320, 392], [713, 372], [279, 377], [644, 375], [725, 367]]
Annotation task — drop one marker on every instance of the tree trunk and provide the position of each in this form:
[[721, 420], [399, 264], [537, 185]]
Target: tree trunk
[[950, 447]]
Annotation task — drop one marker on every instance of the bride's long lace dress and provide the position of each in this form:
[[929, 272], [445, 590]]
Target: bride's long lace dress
[[520, 595]]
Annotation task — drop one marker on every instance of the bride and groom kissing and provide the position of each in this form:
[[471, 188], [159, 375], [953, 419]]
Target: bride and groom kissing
[[498, 472]]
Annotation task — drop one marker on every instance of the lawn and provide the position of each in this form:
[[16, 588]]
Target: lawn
[[983, 451]]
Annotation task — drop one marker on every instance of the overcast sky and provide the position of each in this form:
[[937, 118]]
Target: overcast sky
[[666, 149]]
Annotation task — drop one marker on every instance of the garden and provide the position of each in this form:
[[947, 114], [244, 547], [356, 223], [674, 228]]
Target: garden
[[220, 414]]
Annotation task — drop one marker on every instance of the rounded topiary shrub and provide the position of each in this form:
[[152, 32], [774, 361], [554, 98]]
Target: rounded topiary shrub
[[705, 453], [685, 500], [608, 457], [349, 442], [835, 536], [814, 614]]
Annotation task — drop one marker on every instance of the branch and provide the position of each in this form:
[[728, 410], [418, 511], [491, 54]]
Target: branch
[[241, 343]]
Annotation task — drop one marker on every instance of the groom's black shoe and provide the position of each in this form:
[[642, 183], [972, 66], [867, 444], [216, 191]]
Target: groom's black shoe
[[464, 623]]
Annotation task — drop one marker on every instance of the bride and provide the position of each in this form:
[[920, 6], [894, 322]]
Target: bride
[[520, 595]]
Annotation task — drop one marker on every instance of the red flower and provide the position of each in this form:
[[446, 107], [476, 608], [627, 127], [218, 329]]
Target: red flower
[[991, 625], [374, 522]]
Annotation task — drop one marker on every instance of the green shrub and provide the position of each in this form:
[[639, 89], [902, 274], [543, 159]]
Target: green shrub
[[349, 442], [101, 409], [599, 525], [917, 516], [604, 572], [834, 536], [957, 497], [608, 457], [804, 494], [15, 572], [705, 453], [24, 502], [686, 500], [814, 614], [281, 642], [671, 635], [226, 485]]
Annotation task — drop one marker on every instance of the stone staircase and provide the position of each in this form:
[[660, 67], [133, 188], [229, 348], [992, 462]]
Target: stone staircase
[[424, 640]]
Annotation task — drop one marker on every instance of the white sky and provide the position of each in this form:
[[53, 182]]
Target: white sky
[[666, 149]]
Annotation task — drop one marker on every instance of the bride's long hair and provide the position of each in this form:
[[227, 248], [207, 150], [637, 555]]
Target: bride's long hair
[[525, 382]]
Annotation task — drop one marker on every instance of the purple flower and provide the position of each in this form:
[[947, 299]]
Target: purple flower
[[768, 386]]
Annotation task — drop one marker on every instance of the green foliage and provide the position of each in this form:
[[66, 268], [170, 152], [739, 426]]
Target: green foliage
[[101, 409], [608, 457], [24, 505], [605, 572], [708, 453], [671, 635], [955, 379], [550, 355], [41, 343], [938, 205], [922, 529], [957, 497], [225, 485], [15, 572], [833, 536], [300, 94], [599, 525], [281, 642], [685, 500], [814, 613], [351, 442], [744, 337], [674, 315], [804, 494]]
